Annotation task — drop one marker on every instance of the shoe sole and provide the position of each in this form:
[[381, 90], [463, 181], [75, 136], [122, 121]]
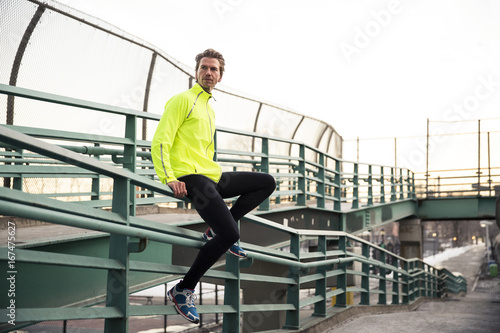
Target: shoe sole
[[237, 255], [176, 306]]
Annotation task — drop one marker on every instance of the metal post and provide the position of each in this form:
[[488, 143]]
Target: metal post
[[321, 188], [338, 187], [355, 187], [430, 282], [146, 93], [382, 284], [201, 303], [265, 205], [118, 279], [411, 289], [393, 185], [488, 244], [216, 303], [435, 282], [357, 149], [342, 278], [231, 321], [489, 165], [406, 283], [401, 185], [165, 316], [320, 307], [370, 186], [96, 181], [15, 71], [395, 152], [479, 157], [365, 278], [19, 57], [395, 283], [293, 293], [382, 185], [18, 181], [255, 127], [427, 163], [301, 197], [278, 183]]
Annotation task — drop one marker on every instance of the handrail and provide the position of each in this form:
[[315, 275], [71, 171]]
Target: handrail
[[415, 278], [118, 225], [324, 179], [447, 183]]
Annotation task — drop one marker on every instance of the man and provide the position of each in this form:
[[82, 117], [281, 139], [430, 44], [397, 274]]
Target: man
[[183, 152]]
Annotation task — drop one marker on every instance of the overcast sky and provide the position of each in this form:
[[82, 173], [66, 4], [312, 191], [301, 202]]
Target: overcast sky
[[370, 68]]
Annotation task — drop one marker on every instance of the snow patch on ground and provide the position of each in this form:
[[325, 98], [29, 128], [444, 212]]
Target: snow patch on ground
[[447, 254]]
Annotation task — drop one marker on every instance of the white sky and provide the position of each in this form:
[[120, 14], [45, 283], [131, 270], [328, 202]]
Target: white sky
[[370, 68]]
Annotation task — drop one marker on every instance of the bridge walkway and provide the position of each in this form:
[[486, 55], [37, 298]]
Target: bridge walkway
[[476, 311]]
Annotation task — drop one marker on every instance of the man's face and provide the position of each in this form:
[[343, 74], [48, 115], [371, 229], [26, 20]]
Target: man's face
[[208, 74]]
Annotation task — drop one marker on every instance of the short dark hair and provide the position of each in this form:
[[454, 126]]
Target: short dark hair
[[210, 53]]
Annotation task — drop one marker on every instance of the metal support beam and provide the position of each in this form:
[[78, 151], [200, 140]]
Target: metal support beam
[[118, 280]]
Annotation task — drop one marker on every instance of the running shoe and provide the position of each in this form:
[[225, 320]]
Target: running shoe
[[184, 303], [235, 249]]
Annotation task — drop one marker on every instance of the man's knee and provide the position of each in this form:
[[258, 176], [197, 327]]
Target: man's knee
[[270, 183], [230, 236]]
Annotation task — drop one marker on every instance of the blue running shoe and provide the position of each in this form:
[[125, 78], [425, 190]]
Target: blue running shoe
[[235, 249], [184, 303]]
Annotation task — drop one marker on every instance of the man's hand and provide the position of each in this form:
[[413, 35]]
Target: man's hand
[[179, 188]]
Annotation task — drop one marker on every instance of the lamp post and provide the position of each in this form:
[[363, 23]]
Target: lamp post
[[486, 224], [434, 236]]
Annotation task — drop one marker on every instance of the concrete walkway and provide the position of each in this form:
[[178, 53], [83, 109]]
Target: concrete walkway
[[477, 311]]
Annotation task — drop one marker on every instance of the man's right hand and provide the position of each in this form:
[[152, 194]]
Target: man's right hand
[[179, 188]]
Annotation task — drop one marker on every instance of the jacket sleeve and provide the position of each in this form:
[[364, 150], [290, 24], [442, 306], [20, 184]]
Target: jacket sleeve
[[164, 137]]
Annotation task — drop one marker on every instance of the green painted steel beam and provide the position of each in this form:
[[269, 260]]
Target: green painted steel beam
[[267, 278], [265, 307], [27, 142], [68, 101], [53, 170], [457, 208], [41, 214], [68, 136], [59, 259], [155, 310], [366, 218], [145, 266], [52, 314]]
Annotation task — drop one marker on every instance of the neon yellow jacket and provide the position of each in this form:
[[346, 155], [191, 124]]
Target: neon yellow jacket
[[183, 143]]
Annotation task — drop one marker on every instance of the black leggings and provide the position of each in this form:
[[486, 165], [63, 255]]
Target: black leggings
[[208, 197]]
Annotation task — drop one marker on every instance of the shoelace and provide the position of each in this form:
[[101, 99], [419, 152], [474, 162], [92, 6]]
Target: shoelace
[[190, 298]]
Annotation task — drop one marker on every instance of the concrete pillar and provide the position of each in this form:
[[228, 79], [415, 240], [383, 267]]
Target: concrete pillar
[[410, 237]]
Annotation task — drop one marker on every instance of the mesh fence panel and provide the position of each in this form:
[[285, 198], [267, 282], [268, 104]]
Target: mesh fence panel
[[73, 54]]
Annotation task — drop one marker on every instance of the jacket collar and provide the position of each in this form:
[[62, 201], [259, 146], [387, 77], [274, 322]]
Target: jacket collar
[[199, 89]]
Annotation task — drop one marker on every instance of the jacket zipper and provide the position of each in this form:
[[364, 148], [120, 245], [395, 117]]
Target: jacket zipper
[[194, 104], [210, 122]]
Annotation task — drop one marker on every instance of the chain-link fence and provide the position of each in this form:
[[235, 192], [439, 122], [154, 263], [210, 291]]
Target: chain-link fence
[[50, 47]]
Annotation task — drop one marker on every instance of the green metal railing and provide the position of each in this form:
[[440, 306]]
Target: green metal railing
[[308, 177], [305, 175], [459, 183]]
